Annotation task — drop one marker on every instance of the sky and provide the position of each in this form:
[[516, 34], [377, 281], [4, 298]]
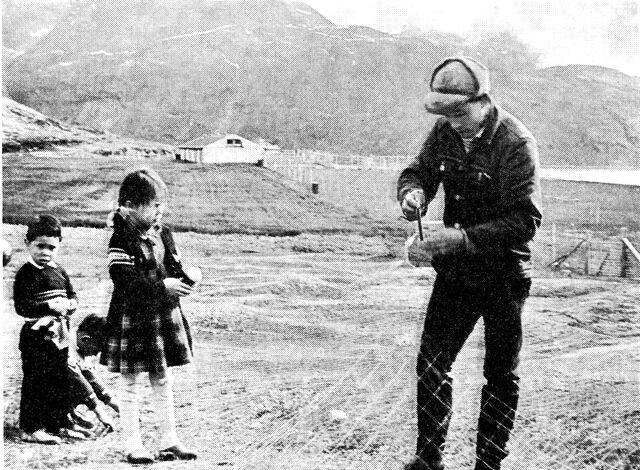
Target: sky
[[595, 32]]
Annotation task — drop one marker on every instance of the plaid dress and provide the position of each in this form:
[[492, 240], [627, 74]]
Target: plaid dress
[[146, 330]]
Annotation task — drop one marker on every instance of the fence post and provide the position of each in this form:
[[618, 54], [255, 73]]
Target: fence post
[[554, 242], [623, 253], [587, 264]]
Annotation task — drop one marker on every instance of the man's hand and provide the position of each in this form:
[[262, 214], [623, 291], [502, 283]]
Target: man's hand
[[175, 286], [412, 201], [417, 253], [436, 242]]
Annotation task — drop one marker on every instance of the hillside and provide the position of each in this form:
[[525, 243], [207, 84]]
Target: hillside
[[170, 71], [25, 129], [225, 198], [75, 173]]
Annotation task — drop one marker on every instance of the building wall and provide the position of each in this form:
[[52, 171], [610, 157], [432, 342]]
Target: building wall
[[190, 155], [213, 154]]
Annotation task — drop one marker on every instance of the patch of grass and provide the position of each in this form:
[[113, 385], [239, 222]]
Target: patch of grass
[[214, 199]]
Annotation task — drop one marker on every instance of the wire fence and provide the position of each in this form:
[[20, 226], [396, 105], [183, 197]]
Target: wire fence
[[307, 361]]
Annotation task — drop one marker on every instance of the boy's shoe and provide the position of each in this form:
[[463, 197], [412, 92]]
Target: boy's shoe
[[177, 452], [113, 403], [40, 437], [84, 431], [81, 419], [103, 416], [71, 434], [140, 456], [105, 430]]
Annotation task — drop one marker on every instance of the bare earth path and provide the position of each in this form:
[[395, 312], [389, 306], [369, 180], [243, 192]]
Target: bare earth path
[[288, 330]]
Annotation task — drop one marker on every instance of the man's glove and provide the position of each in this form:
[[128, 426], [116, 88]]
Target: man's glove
[[442, 241], [411, 201]]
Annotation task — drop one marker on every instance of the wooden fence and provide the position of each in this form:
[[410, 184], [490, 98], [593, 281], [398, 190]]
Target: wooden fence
[[325, 159], [372, 188], [588, 253]]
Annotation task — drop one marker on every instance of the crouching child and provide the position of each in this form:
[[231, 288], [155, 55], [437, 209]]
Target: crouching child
[[85, 388]]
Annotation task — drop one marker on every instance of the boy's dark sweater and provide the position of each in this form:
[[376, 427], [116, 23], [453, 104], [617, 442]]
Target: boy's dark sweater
[[34, 287]]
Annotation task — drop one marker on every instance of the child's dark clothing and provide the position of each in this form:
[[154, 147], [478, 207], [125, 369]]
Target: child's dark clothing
[[145, 330], [85, 388], [44, 361]]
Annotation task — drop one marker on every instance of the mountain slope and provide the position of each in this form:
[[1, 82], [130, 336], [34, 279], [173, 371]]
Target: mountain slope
[[171, 71], [25, 129], [227, 198]]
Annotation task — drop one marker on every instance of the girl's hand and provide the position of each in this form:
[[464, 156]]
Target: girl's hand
[[175, 286]]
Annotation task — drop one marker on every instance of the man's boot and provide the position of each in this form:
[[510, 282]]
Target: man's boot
[[419, 464], [434, 414], [497, 414]]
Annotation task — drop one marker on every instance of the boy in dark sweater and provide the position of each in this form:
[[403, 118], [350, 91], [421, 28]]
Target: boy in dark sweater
[[43, 295]]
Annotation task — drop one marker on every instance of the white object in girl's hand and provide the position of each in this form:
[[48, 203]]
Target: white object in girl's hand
[[193, 275]]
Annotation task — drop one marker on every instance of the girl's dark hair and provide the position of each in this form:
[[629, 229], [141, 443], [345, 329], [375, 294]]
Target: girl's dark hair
[[141, 187], [45, 225]]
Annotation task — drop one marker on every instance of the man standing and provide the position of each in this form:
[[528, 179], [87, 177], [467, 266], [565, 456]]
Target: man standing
[[487, 162]]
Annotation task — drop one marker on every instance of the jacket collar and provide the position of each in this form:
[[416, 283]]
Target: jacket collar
[[491, 124], [51, 263]]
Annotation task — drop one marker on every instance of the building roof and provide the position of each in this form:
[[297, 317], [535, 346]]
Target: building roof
[[220, 141], [202, 141]]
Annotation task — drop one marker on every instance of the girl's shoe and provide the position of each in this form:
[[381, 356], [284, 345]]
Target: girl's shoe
[[140, 456], [177, 452], [40, 437]]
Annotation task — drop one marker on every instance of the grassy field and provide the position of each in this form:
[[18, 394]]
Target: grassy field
[[327, 317], [603, 208], [226, 198], [289, 329], [246, 199]]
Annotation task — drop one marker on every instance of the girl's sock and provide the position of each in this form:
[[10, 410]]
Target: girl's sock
[[161, 384], [129, 412]]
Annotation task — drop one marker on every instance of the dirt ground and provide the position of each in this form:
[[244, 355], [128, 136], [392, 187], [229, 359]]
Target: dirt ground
[[290, 330]]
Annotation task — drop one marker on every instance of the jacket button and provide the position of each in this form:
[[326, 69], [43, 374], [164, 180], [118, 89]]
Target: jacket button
[[456, 226], [457, 197]]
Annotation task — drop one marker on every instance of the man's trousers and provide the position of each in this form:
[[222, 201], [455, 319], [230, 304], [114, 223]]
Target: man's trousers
[[454, 308]]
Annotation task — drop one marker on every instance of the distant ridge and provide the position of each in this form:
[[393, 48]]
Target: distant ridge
[[282, 71]]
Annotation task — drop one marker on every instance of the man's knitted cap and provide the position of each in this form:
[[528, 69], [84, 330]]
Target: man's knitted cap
[[454, 82]]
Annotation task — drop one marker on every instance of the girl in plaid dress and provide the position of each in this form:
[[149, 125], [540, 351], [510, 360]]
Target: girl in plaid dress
[[146, 330]]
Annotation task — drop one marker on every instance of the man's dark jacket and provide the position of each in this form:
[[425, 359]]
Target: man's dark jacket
[[493, 193]]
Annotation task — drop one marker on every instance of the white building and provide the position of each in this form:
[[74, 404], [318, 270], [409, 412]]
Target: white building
[[230, 148]]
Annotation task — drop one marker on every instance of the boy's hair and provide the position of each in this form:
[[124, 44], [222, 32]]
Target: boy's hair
[[141, 187], [90, 335], [45, 225], [92, 325]]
